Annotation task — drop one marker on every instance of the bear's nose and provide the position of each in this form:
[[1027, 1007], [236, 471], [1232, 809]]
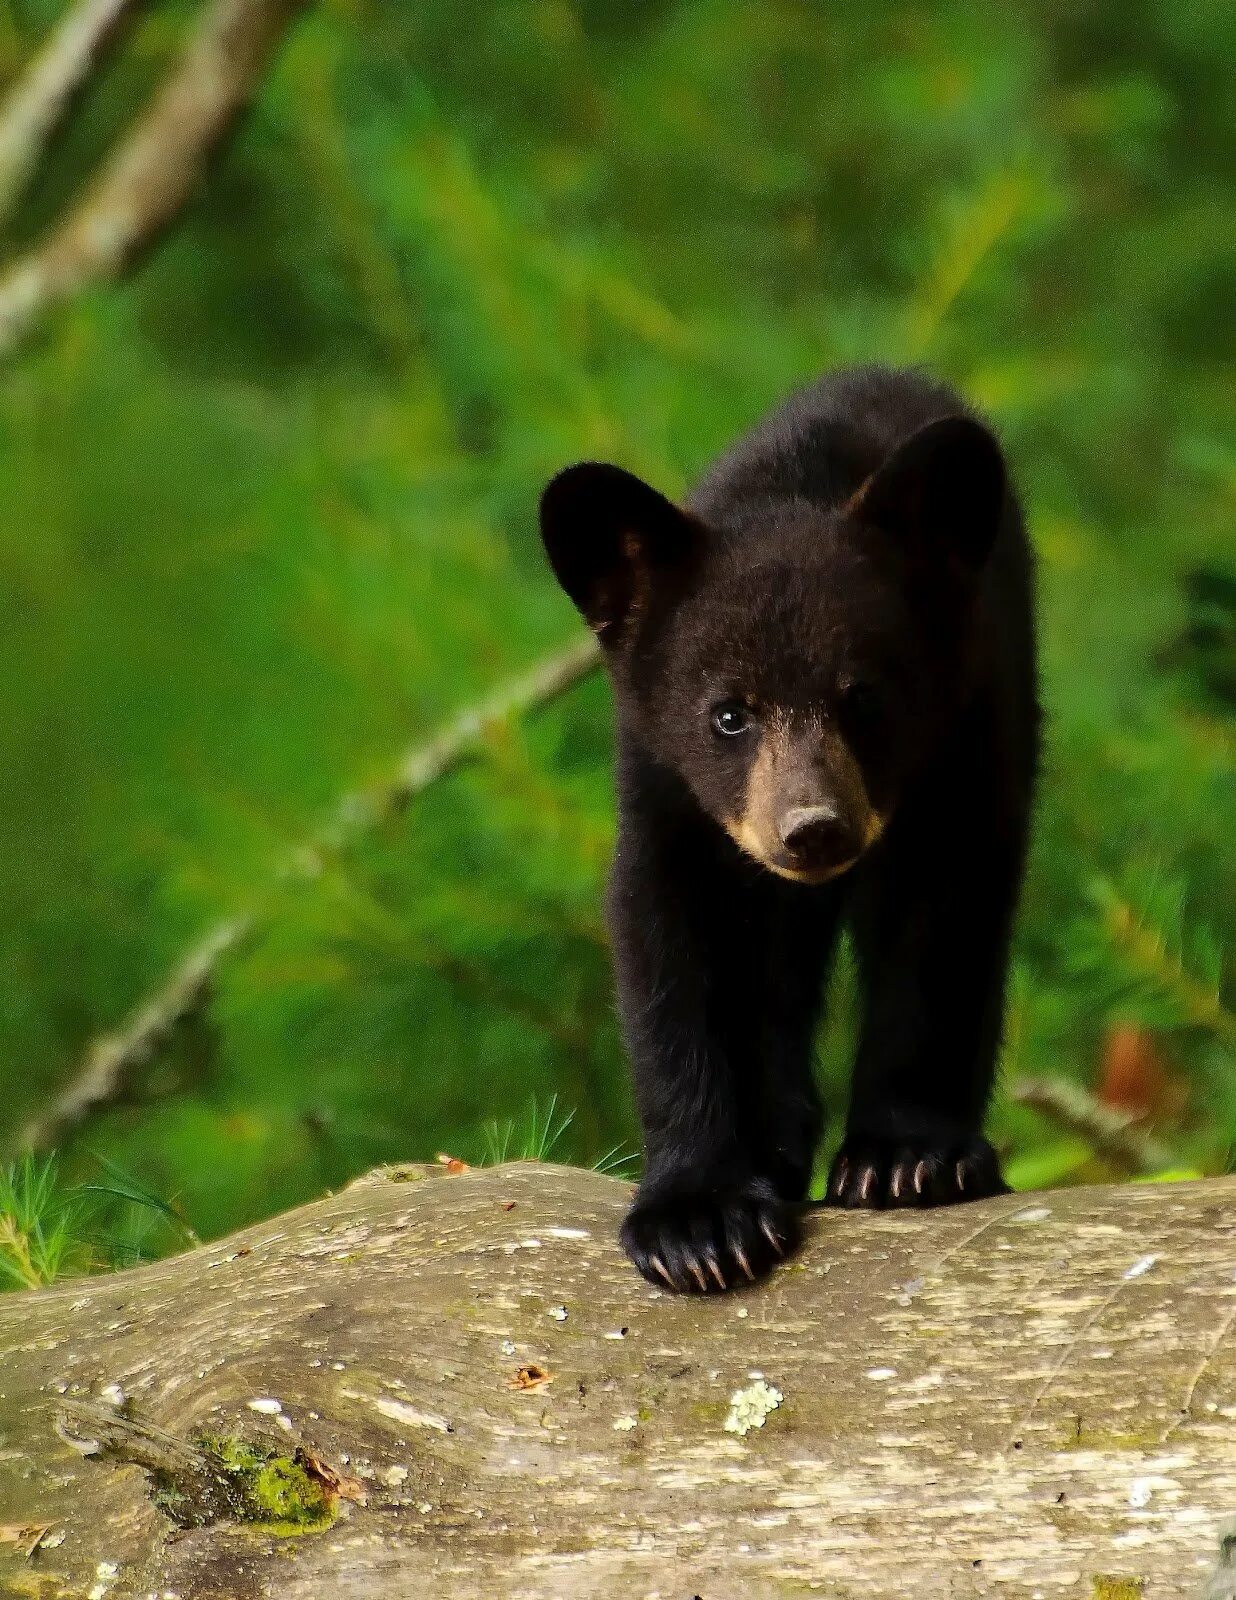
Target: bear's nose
[[817, 837]]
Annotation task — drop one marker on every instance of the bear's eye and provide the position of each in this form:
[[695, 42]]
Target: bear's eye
[[730, 718]]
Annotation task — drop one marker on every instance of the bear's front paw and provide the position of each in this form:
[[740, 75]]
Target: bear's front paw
[[873, 1172], [704, 1239]]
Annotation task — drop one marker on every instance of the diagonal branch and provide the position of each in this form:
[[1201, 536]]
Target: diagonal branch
[[1114, 1135], [112, 1058], [148, 180], [110, 1061], [46, 91]]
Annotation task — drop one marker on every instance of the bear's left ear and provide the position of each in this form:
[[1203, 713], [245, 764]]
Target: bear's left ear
[[945, 483], [610, 538]]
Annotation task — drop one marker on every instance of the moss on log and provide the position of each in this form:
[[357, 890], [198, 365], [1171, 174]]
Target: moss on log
[[432, 1385]]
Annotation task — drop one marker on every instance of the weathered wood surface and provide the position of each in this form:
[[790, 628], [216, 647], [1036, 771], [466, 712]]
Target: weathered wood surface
[[1032, 1396]]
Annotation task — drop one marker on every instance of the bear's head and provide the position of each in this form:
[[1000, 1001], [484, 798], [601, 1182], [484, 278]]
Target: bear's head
[[792, 663]]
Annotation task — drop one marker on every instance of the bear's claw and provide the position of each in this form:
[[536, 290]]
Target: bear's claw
[[875, 1173], [703, 1241]]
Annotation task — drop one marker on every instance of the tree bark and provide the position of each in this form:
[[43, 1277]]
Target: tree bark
[[472, 1394], [49, 87]]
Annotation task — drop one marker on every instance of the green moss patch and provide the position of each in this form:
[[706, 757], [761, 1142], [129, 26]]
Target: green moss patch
[[1104, 1588], [1083, 1436], [274, 1492]]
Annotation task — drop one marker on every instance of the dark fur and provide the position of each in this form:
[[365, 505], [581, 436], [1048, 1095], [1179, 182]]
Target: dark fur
[[879, 594]]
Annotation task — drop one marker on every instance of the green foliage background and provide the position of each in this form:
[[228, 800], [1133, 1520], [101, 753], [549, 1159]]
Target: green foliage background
[[267, 517]]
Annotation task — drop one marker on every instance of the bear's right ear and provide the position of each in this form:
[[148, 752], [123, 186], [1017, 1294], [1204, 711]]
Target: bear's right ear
[[609, 537], [943, 488]]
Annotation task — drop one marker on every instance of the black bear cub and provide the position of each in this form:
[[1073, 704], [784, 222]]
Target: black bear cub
[[824, 675]]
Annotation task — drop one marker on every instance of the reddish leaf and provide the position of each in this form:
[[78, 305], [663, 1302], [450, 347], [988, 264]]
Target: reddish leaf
[[1132, 1077], [529, 1377], [331, 1479]]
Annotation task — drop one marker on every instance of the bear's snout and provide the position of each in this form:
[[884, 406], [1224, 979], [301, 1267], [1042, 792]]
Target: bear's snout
[[818, 839]]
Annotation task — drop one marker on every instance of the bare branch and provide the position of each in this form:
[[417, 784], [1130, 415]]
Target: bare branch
[[111, 1060], [109, 1063], [46, 91], [357, 813], [1114, 1135], [156, 169]]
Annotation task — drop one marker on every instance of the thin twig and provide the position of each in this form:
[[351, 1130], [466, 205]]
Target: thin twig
[[1114, 1134], [46, 91], [157, 168], [109, 1063], [359, 812], [111, 1059]]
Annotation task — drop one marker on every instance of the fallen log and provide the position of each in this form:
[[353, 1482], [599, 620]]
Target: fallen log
[[433, 1385]]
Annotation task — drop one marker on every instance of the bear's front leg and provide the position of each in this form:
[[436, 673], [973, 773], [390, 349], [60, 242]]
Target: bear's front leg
[[729, 1123], [932, 919]]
